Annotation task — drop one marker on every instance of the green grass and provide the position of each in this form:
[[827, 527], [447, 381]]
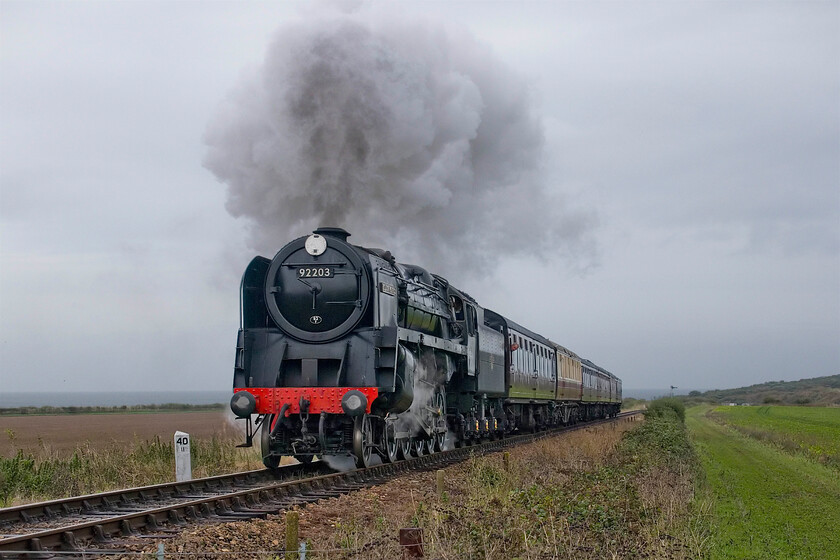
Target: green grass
[[810, 430], [767, 503]]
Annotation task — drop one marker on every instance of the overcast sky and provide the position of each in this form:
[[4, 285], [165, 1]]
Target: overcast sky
[[695, 143]]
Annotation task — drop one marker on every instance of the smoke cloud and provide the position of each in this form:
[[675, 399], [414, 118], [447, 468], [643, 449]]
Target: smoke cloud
[[412, 136]]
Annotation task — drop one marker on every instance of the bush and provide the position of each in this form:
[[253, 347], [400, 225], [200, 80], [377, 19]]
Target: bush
[[666, 406], [663, 436], [629, 403]]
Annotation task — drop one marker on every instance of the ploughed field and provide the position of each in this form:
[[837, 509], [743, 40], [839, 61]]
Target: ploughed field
[[64, 433]]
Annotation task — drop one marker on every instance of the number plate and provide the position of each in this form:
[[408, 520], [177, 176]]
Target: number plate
[[387, 289], [315, 272]]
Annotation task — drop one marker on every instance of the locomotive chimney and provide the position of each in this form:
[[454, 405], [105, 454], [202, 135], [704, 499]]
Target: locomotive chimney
[[336, 232]]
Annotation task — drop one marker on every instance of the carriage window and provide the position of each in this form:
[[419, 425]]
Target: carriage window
[[527, 364], [518, 352], [532, 364]]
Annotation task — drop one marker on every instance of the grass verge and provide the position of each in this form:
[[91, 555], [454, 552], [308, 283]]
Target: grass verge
[[767, 503], [585, 495], [28, 478]]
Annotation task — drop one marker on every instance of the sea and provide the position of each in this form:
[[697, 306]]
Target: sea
[[126, 398], [650, 394]]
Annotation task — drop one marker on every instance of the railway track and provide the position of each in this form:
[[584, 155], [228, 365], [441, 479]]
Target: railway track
[[97, 522]]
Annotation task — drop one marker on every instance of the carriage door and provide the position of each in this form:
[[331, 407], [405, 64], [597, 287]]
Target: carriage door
[[472, 340]]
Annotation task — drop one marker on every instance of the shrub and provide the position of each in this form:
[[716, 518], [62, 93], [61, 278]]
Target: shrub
[[665, 407]]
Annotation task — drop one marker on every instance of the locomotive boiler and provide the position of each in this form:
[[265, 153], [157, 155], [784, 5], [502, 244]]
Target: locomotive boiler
[[344, 351]]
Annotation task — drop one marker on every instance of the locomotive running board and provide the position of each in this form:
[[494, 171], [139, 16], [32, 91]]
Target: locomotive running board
[[433, 341]]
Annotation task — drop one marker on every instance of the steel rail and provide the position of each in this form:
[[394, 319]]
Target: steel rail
[[247, 503], [53, 509]]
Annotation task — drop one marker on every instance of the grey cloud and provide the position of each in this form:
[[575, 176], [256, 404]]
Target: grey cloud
[[399, 130]]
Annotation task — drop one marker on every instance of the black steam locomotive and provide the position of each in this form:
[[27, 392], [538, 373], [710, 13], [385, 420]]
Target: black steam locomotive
[[344, 351]]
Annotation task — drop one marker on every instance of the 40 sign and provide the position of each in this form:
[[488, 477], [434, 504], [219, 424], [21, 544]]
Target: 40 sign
[[183, 466]]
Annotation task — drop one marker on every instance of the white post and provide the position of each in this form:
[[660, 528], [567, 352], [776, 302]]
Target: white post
[[183, 467]]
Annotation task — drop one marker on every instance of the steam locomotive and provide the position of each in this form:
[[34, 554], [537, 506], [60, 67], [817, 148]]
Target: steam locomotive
[[344, 351]]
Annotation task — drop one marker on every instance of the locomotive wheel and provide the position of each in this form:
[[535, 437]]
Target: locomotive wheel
[[418, 447], [439, 442], [404, 445], [363, 441], [389, 443], [430, 446], [439, 439], [270, 461], [305, 459]]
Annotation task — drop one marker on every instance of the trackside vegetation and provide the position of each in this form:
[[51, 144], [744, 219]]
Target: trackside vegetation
[[28, 478], [666, 406], [623, 491], [767, 502]]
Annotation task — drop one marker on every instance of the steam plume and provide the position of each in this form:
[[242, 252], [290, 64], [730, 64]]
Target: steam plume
[[411, 136]]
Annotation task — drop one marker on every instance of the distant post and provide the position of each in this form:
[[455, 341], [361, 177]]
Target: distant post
[[292, 543], [183, 466]]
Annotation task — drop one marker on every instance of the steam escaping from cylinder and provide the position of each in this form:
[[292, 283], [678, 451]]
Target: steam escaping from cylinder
[[411, 135], [417, 419]]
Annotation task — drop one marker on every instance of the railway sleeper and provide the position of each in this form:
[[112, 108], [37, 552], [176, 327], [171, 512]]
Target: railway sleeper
[[175, 518], [126, 529], [68, 542], [152, 522], [37, 551], [100, 536]]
